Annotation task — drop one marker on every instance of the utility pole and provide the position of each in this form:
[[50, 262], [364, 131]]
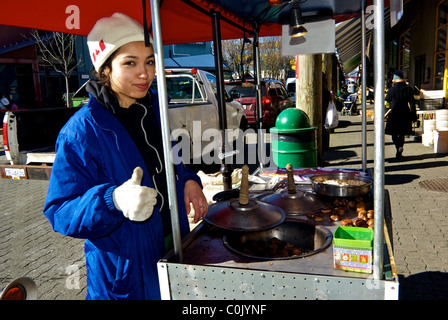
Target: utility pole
[[309, 93]]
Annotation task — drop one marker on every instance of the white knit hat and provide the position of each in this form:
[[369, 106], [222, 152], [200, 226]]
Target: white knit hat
[[109, 34]]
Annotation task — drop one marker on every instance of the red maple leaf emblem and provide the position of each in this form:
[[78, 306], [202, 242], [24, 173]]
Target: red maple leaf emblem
[[102, 45]]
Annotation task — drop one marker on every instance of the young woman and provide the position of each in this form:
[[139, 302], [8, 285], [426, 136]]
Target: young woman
[[108, 182]]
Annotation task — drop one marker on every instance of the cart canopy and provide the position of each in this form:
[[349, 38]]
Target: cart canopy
[[183, 21]]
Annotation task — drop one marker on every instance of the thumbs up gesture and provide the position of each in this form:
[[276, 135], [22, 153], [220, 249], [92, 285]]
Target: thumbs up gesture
[[134, 200]]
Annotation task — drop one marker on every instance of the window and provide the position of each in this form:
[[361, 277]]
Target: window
[[181, 89], [212, 81], [245, 90], [441, 49]]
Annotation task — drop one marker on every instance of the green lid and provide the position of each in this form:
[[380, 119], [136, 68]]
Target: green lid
[[353, 237], [292, 120]]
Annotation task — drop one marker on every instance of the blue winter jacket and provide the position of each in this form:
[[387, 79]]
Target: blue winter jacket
[[94, 155]]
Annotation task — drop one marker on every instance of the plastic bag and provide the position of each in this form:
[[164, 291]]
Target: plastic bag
[[331, 118]]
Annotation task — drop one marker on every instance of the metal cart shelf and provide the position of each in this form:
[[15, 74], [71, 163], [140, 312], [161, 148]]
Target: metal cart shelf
[[210, 271]]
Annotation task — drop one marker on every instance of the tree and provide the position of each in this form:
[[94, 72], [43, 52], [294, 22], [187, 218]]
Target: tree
[[273, 64], [237, 59], [58, 52]]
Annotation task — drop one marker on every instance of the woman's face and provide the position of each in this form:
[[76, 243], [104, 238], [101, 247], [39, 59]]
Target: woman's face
[[132, 72]]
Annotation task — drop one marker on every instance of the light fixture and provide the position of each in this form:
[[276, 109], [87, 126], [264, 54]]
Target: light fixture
[[296, 29]]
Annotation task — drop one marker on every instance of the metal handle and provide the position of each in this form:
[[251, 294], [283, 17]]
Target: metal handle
[[291, 183], [244, 190]]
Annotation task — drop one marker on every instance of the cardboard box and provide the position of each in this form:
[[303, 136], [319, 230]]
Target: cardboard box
[[353, 249], [440, 141]]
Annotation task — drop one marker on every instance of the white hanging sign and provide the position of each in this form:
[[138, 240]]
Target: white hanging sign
[[321, 38]]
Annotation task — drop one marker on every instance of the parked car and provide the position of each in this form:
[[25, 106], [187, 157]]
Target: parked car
[[80, 97], [275, 99], [291, 88]]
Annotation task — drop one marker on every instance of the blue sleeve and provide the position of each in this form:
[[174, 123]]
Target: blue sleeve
[[79, 201], [189, 174]]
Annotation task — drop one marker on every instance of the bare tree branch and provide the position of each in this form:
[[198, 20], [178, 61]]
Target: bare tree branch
[[273, 64], [58, 52]]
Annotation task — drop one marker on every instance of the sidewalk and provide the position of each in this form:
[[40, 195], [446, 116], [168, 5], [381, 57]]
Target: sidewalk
[[419, 215]]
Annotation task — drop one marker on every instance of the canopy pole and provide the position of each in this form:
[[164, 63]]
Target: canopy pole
[[258, 101], [378, 250], [164, 118], [363, 90], [226, 169]]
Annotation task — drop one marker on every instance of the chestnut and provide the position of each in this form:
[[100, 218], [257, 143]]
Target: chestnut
[[335, 217], [327, 210], [359, 222], [362, 215], [360, 207], [340, 211]]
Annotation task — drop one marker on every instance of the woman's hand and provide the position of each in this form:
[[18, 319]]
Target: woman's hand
[[193, 194]]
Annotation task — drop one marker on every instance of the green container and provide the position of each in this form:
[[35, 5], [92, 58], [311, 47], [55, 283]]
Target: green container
[[353, 249], [293, 140]]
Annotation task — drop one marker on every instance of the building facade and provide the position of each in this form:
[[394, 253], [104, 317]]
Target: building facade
[[418, 45]]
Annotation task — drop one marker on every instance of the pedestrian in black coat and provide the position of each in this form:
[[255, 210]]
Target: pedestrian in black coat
[[402, 112]]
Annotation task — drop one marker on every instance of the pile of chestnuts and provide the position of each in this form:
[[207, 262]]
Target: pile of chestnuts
[[338, 210]]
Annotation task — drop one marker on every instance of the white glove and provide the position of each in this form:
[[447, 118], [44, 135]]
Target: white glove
[[135, 201]]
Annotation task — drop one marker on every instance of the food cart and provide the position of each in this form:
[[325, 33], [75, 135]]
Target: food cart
[[203, 266], [206, 266], [211, 271], [219, 262]]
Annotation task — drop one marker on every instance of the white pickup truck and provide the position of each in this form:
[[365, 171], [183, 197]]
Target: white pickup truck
[[29, 136]]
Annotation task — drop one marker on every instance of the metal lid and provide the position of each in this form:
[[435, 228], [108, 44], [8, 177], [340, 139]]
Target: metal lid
[[292, 200], [254, 216], [300, 202], [292, 120], [244, 214]]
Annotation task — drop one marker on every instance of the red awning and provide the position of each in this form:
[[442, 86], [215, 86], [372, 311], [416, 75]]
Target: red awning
[[181, 21]]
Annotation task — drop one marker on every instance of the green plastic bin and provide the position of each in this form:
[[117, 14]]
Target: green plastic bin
[[353, 249], [293, 140]]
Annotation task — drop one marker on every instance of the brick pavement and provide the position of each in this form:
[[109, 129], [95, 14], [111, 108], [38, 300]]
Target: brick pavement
[[29, 247], [420, 224]]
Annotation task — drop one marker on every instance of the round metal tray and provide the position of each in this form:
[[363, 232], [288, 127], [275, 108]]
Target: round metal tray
[[307, 236], [332, 190]]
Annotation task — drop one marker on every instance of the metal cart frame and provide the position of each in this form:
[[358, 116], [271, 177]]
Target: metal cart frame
[[179, 272]]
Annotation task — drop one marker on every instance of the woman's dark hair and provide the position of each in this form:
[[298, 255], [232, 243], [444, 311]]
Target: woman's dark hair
[[101, 75]]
